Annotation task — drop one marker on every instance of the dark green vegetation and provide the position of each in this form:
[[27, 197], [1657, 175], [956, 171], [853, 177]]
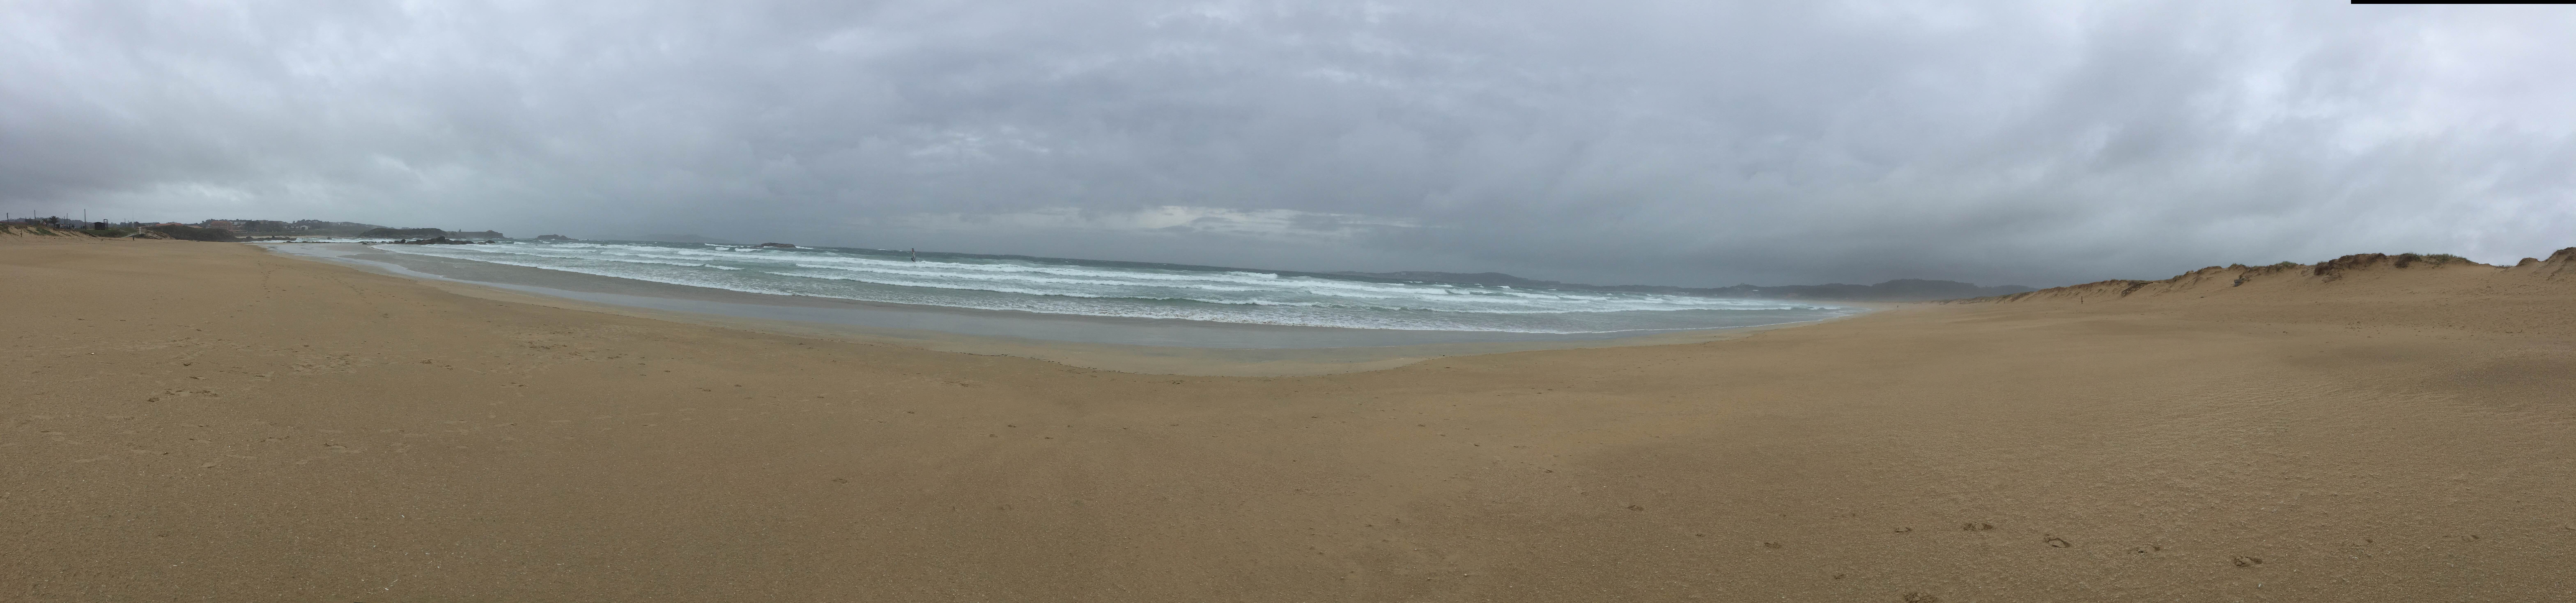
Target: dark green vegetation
[[2435, 259], [192, 233], [304, 227], [403, 233]]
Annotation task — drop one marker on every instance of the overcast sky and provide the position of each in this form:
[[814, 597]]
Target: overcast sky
[[1691, 143]]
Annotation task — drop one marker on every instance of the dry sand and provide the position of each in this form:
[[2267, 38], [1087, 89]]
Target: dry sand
[[208, 421]]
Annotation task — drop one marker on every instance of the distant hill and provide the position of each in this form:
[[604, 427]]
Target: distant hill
[[325, 227], [402, 233], [192, 233], [428, 233], [679, 238], [1896, 290]]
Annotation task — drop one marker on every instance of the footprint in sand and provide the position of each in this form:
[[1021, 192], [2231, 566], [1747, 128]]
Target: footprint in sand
[[1921, 598], [2244, 561], [1976, 527], [2057, 542]]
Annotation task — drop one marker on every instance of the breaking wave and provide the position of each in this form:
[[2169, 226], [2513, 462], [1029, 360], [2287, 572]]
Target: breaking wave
[[1124, 289]]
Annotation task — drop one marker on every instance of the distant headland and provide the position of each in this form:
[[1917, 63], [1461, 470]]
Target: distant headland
[[1899, 290], [238, 230]]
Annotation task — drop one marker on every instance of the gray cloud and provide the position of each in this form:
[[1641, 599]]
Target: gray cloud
[[1688, 143]]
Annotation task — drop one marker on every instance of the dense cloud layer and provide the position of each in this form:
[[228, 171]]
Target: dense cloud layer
[[1695, 143]]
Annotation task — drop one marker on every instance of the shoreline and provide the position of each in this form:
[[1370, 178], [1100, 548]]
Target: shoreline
[[831, 318]]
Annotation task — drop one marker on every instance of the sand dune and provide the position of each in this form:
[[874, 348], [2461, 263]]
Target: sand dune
[[203, 420]]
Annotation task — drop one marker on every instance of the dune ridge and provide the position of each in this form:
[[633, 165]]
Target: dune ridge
[[2206, 280]]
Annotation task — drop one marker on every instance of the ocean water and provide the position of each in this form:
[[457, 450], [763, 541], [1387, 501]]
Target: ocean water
[[1133, 290]]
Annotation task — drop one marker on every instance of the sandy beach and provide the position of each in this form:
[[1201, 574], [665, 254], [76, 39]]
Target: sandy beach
[[211, 421]]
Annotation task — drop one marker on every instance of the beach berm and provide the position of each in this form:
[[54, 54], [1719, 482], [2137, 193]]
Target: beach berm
[[197, 420]]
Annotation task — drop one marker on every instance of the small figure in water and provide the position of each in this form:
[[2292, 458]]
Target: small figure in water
[[916, 254]]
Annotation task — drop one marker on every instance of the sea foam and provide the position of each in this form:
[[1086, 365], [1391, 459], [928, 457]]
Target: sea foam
[[1120, 289]]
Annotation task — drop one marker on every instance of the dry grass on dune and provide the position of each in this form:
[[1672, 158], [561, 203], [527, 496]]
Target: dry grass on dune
[[22, 233], [207, 421], [37, 234], [2559, 264]]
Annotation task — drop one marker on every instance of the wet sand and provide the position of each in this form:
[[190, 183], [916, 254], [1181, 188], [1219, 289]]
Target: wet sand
[[210, 421]]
